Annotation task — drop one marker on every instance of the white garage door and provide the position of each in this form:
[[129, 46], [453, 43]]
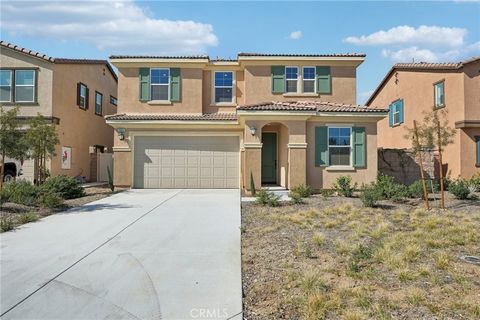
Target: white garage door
[[186, 162]]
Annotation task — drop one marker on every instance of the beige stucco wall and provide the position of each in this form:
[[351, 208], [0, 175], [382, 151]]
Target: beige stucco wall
[[13, 59], [258, 86], [462, 101], [321, 177], [78, 128], [468, 151], [191, 93], [208, 104]]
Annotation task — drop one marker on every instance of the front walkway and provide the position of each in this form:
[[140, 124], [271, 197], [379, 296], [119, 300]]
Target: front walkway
[[140, 254]]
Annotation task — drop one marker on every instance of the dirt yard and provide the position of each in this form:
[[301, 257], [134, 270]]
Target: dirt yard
[[330, 258]]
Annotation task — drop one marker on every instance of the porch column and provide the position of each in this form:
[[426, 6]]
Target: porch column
[[297, 153]]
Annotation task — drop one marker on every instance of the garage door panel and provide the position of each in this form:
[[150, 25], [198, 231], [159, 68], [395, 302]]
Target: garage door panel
[[186, 162]]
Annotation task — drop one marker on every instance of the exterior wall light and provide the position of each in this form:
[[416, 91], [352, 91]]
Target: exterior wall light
[[121, 133], [253, 130]]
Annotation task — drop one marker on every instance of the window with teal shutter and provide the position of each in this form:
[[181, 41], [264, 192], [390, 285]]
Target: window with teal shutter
[[144, 80], [321, 146], [278, 79], [396, 113], [359, 147], [324, 80], [477, 142]]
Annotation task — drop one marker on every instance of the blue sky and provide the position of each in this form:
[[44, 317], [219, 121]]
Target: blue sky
[[387, 31]]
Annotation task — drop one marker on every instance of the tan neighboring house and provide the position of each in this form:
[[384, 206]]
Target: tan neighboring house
[[75, 94], [194, 122], [410, 89]]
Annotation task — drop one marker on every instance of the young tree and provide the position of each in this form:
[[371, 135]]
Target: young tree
[[12, 143], [41, 138], [434, 133]]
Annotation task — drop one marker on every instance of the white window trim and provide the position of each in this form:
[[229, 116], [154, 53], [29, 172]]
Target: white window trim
[[234, 86], [395, 111], [340, 167], [312, 80], [10, 86], [84, 106], [436, 94], [160, 84], [26, 85], [101, 102], [287, 79]]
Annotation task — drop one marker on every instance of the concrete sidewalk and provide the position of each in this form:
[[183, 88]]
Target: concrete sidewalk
[[160, 254]]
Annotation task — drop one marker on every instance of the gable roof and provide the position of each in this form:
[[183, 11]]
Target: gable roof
[[44, 57], [220, 116], [421, 66], [243, 54], [315, 106], [251, 54]]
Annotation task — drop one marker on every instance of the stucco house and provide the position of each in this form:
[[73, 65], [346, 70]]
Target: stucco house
[[281, 119], [410, 89], [75, 94]]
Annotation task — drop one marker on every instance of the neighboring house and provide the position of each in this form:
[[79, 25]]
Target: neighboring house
[[74, 94], [410, 89], [193, 122]]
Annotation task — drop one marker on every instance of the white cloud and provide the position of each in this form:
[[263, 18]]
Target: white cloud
[[295, 35], [407, 35], [411, 54], [122, 27]]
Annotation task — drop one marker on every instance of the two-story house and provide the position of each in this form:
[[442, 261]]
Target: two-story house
[[281, 119], [74, 94], [411, 89]]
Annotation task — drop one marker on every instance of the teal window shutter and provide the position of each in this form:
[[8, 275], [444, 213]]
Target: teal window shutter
[[390, 115], [278, 79], [477, 138], [400, 110], [144, 79], [321, 146], [359, 146], [324, 80], [175, 85]]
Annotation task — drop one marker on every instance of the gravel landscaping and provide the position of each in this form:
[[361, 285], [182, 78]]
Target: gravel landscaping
[[332, 258]]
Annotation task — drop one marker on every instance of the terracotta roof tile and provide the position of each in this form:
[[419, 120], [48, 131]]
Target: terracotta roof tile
[[193, 57], [26, 51], [315, 106], [175, 117], [241, 54], [252, 54]]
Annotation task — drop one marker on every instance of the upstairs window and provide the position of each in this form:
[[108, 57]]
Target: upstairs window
[[82, 96], [291, 78], [24, 85], [113, 101], [5, 85], [98, 103], [223, 86], [439, 94], [339, 146], [160, 84], [309, 79]]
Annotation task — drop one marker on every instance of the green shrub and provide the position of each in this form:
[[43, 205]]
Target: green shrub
[[274, 201], [370, 195], [460, 189], [389, 189], [66, 187], [265, 197], [110, 179], [475, 181], [415, 190], [21, 192], [343, 186], [253, 190], [50, 200], [6, 222], [303, 190], [326, 193], [27, 217], [295, 197]]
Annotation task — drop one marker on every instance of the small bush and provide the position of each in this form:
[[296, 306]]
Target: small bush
[[6, 222], [460, 189], [110, 179], [21, 192], [274, 201], [50, 200], [326, 193], [389, 189], [296, 198], [370, 195], [66, 187], [415, 190], [253, 190], [343, 186], [265, 197], [303, 191], [27, 217], [474, 181]]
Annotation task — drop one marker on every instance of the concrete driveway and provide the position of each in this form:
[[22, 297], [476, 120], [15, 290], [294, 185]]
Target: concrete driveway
[[140, 254]]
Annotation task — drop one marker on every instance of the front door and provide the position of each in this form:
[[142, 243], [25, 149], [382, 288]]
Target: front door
[[269, 158]]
